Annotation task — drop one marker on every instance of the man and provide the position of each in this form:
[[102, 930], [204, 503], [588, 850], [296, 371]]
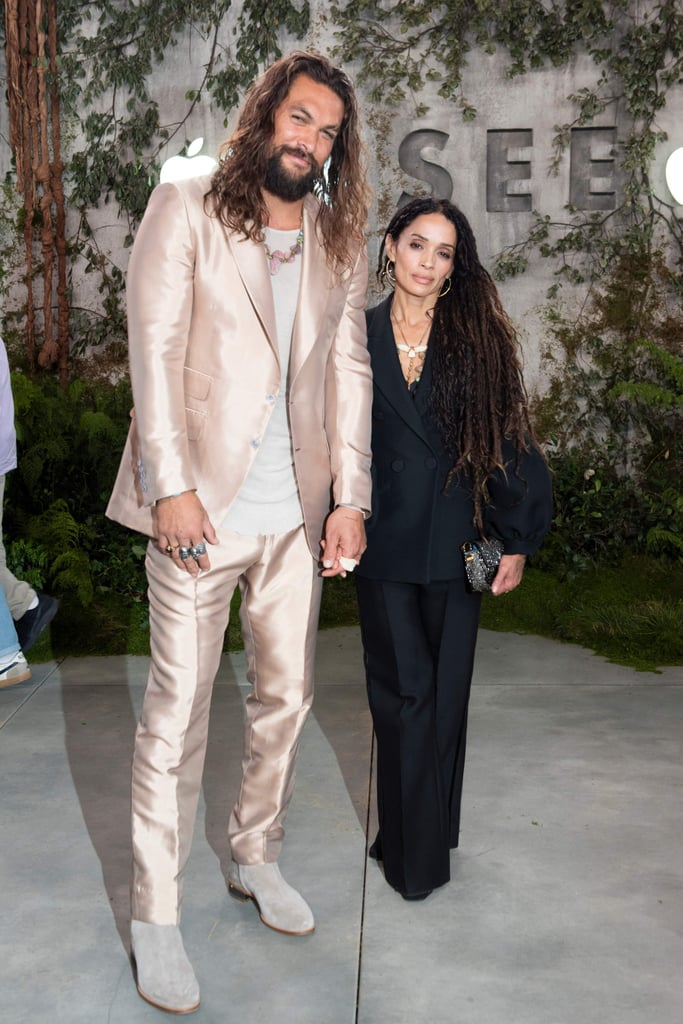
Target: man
[[31, 610], [249, 451]]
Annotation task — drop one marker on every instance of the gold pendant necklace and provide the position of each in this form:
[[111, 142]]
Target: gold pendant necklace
[[412, 351]]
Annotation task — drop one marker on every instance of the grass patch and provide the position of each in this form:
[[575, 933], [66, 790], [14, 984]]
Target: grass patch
[[631, 614], [339, 606]]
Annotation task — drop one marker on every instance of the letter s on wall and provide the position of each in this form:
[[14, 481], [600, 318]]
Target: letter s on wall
[[413, 163]]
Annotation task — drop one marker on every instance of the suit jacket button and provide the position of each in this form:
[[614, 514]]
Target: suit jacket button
[[397, 465], [255, 443], [430, 462]]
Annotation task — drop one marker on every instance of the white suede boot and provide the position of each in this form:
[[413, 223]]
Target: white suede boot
[[164, 974], [279, 905]]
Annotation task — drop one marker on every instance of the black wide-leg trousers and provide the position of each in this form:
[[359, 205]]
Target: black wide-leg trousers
[[419, 642]]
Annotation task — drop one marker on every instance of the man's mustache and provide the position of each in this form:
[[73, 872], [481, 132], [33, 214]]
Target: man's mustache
[[302, 154]]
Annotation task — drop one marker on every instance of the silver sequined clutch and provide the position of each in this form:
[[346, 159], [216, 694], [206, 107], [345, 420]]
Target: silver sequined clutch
[[482, 558]]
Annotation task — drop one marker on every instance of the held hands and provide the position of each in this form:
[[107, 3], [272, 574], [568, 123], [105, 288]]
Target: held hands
[[509, 574], [344, 539], [182, 525]]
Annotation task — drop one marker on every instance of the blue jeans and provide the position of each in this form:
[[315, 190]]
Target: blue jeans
[[9, 642]]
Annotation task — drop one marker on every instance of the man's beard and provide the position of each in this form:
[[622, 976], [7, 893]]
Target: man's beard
[[282, 183]]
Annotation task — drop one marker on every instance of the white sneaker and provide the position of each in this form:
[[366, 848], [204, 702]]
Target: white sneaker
[[16, 672]]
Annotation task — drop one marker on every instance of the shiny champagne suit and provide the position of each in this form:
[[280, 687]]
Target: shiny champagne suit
[[205, 369]]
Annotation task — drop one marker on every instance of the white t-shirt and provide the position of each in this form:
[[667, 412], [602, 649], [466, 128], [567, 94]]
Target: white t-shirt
[[268, 501]]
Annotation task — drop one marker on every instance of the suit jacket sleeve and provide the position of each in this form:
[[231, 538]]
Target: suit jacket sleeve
[[348, 398], [521, 508], [159, 297]]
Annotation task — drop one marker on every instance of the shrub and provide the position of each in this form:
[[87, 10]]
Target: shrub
[[613, 419], [69, 445]]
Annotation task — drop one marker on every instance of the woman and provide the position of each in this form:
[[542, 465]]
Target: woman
[[453, 459]]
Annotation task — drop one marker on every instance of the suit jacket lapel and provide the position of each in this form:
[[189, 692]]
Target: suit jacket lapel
[[314, 289], [252, 267], [386, 369]]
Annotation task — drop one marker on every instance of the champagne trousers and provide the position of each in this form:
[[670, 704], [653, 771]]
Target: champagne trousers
[[280, 590], [419, 642]]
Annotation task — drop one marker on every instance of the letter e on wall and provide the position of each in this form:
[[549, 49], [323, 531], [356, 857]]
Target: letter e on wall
[[591, 169], [508, 170]]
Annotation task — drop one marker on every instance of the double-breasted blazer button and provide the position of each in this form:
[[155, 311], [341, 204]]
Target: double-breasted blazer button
[[255, 443], [398, 465], [430, 462], [270, 398]]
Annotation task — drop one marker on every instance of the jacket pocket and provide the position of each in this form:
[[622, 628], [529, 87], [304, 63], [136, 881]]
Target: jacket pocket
[[194, 423], [197, 388], [196, 384]]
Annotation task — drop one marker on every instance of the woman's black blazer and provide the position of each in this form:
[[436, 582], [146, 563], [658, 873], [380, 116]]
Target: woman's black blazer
[[415, 530]]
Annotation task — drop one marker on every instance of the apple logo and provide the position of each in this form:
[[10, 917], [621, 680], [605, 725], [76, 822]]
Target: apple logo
[[674, 175], [177, 168]]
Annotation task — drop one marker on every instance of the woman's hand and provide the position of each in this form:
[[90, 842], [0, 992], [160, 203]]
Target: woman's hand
[[509, 575]]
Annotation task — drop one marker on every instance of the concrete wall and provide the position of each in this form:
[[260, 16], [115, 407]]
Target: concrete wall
[[496, 168]]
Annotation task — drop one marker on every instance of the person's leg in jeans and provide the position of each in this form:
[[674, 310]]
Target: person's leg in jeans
[[13, 667], [18, 594]]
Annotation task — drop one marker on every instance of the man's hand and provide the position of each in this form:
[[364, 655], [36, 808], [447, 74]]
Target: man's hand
[[181, 524], [509, 574], [344, 538]]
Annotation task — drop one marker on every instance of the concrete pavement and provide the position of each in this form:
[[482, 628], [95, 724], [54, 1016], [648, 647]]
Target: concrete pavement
[[565, 906]]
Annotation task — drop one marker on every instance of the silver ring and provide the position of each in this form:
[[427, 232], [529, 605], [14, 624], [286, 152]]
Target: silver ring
[[198, 549], [185, 553]]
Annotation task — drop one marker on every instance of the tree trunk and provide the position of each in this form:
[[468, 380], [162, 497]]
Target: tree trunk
[[33, 99]]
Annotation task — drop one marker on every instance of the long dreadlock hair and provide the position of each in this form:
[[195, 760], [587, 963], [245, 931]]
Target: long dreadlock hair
[[478, 397], [235, 194]]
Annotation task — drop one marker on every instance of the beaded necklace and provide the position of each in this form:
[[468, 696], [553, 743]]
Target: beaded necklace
[[277, 258]]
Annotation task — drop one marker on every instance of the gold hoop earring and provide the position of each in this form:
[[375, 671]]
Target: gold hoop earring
[[388, 272], [441, 294]]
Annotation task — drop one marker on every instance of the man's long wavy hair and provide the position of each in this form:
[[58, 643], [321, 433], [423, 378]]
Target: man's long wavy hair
[[235, 194], [478, 397]]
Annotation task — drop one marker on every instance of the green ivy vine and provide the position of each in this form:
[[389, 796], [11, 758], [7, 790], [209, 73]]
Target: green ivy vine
[[637, 48], [109, 53], [108, 75], [612, 407]]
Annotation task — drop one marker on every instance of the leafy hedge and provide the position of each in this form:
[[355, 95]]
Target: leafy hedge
[[69, 445], [612, 415], [617, 474]]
